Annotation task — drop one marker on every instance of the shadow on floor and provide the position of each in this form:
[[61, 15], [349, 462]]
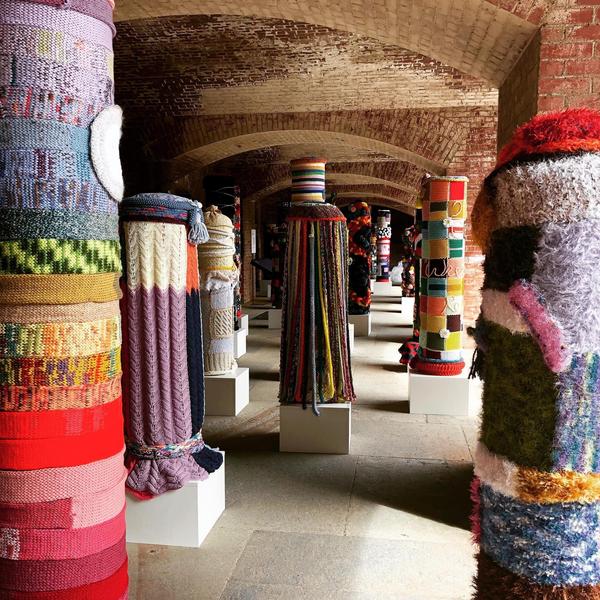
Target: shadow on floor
[[265, 375], [400, 406]]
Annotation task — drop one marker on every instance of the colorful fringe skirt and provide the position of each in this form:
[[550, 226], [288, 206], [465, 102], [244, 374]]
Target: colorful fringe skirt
[[315, 353]]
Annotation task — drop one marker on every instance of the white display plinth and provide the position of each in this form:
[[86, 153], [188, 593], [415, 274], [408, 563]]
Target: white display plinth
[[385, 288], [456, 395], [227, 395], [274, 318], [362, 324], [244, 321], [181, 517], [408, 305], [351, 337], [239, 343], [302, 431], [372, 284]]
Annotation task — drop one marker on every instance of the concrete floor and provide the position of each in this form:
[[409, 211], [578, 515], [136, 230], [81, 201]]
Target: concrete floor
[[389, 521]]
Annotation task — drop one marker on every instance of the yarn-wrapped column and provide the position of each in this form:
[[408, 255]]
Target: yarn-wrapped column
[[442, 277], [315, 354], [62, 493], [218, 277], [384, 241], [358, 216], [537, 465], [221, 191], [163, 384]]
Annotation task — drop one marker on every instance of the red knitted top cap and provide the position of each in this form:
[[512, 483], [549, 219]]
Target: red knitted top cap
[[571, 130]]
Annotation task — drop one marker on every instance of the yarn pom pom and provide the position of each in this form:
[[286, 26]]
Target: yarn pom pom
[[572, 130]]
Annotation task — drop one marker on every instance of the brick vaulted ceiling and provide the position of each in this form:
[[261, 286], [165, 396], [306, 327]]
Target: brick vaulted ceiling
[[243, 95]]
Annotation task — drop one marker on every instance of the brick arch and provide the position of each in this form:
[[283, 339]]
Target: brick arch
[[345, 198], [198, 142], [333, 179], [476, 36]]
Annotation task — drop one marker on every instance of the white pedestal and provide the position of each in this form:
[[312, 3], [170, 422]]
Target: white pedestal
[[302, 431], [408, 306], [385, 288], [372, 284], [182, 517], [351, 337], [435, 395], [274, 318], [239, 342], [244, 322], [362, 324], [227, 395]]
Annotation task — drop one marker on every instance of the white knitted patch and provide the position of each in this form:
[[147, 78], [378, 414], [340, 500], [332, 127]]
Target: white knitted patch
[[104, 147], [556, 190], [496, 307], [496, 471]]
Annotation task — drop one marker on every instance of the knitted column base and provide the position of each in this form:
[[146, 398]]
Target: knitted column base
[[493, 582], [424, 367]]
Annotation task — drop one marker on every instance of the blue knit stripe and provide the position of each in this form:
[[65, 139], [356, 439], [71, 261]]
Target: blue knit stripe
[[43, 135], [551, 544]]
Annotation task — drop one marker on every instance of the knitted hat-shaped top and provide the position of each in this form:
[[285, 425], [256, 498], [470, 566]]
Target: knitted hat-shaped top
[[308, 180], [215, 219], [568, 131]]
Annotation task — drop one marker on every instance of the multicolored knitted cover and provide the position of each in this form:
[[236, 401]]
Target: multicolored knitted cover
[[384, 241], [442, 277], [218, 277], [62, 502], [163, 382], [537, 491], [373, 253], [358, 216], [315, 353], [221, 191]]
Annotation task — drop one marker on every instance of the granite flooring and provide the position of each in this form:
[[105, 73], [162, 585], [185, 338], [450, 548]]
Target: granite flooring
[[389, 521]]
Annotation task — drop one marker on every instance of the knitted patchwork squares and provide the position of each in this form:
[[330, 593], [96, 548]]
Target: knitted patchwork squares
[[217, 318], [441, 291], [384, 235], [547, 543]]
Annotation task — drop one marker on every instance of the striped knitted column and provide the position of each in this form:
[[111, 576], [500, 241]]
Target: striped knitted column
[[62, 527], [218, 276], [537, 490], [442, 277], [315, 355], [221, 191], [358, 216], [384, 240], [163, 380]]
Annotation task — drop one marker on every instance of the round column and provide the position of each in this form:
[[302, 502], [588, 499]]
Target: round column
[[384, 241]]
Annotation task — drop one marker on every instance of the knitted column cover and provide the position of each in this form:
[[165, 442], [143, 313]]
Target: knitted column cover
[[218, 276], [221, 191], [410, 347], [384, 240], [315, 356], [537, 466], [279, 243], [442, 274], [358, 216], [373, 252], [163, 385], [62, 518]]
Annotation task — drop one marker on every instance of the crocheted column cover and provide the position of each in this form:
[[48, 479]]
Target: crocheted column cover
[[410, 347], [442, 277], [222, 192], [218, 276], [358, 217], [62, 519], [163, 383], [537, 491], [384, 240], [315, 354]]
